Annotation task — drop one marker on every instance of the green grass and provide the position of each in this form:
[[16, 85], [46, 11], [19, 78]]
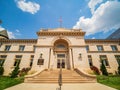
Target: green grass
[[112, 81], [6, 82]]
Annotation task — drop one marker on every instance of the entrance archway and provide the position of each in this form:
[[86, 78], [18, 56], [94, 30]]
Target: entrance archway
[[61, 50]]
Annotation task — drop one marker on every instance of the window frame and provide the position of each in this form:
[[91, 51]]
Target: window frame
[[2, 59], [114, 47], [117, 57], [105, 60], [101, 48], [17, 60], [90, 60], [7, 47], [21, 47]]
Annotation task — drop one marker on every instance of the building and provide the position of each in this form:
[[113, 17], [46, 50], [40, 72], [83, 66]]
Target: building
[[115, 35], [59, 46]]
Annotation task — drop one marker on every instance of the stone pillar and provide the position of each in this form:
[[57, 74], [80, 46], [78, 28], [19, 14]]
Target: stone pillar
[[70, 59], [51, 62]]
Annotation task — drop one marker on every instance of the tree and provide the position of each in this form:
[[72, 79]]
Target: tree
[[103, 69], [0, 21], [119, 69], [15, 72], [1, 70]]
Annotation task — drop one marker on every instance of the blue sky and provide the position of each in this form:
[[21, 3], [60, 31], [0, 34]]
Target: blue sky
[[23, 18]]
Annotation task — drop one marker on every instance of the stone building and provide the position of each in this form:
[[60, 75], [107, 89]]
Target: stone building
[[59, 46]]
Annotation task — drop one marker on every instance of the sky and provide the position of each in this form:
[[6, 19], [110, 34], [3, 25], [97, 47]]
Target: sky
[[23, 18]]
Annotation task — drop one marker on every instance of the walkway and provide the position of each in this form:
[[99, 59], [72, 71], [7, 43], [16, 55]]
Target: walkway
[[79, 86]]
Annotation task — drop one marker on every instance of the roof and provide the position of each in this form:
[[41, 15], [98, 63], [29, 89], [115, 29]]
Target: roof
[[4, 34], [115, 35]]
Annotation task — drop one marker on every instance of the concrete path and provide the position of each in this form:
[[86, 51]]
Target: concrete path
[[79, 86]]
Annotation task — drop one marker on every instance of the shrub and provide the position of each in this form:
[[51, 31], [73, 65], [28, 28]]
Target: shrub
[[103, 69], [95, 70], [119, 69], [15, 72], [1, 70], [24, 71]]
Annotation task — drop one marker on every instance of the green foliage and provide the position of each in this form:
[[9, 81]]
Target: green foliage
[[6, 82], [1, 70], [112, 81], [24, 71], [15, 72], [119, 69], [95, 70], [103, 69]]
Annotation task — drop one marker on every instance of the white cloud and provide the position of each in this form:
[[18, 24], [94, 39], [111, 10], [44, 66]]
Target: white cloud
[[92, 4], [17, 30], [11, 35], [93, 37], [105, 18], [1, 28], [29, 6]]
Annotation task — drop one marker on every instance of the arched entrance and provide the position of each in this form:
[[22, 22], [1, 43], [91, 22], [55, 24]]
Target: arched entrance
[[61, 52]]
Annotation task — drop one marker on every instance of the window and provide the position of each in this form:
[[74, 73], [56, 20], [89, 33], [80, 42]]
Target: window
[[31, 60], [104, 58], [114, 47], [100, 47], [90, 60], [61, 55], [2, 59], [7, 47], [17, 60], [118, 59], [60, 46], [87, 48], [21, 47]]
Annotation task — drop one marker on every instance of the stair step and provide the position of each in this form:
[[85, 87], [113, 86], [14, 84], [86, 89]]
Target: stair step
[[52, 76]]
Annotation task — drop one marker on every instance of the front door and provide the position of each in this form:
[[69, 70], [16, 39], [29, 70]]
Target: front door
[[61, 60]]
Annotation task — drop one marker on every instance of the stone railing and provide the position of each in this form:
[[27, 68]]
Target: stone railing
[[89, 76], [27, 77]]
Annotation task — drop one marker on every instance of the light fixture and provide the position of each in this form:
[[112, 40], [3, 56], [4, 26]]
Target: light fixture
[[80, 55], [41, 55]]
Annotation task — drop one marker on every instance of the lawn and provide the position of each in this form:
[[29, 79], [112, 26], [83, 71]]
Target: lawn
[[112, 81], [6, 82]]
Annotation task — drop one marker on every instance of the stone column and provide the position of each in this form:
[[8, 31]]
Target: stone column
[[70, 58], [51, 59]]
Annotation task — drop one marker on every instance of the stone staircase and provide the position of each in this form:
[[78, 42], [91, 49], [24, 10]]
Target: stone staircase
[[52, 76]]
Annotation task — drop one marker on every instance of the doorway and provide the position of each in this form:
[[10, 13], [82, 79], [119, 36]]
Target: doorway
[[61, 60]]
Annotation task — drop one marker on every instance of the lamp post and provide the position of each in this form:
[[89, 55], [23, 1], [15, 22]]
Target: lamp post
[[60, 77]]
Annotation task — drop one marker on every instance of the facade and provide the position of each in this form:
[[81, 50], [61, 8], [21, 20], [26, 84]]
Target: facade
[[59, 46]]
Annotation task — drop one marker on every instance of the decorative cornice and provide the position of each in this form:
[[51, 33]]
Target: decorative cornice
[[102, 40], [18, 40], [103, 51], [52, 33], [16, 51]]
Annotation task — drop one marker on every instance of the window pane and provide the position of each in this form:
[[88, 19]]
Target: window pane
[[104, 58], [17, 60], [2, 59], [114, 48], [21, 48], [60, 46], [118, 59], [7, 47], [61, 55], [100, 48], [87, 48], [90, 60]]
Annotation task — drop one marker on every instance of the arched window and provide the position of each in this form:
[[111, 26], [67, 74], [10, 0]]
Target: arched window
[[60, 46]]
